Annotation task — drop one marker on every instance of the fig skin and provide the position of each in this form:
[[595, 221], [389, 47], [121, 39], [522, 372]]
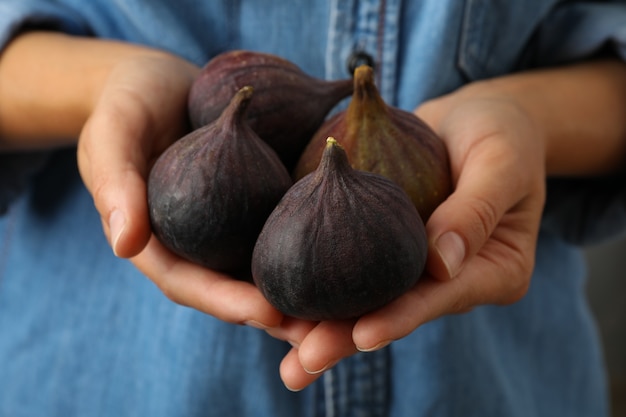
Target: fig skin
[[388, 141], [211, 191], [289, 105], [340, 243]]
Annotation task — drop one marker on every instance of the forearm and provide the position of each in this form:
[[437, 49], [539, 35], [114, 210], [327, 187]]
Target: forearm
[[581, 109], [49, 83]]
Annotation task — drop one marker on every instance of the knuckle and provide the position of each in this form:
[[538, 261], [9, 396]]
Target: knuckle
[[465, 301], [99, 190], [460, 306], [486, 217]]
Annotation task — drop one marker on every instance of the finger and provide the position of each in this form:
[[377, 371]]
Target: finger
[[293, 374], [424, 302], [113, 167], [213, 293], [485, 190], [502, 277], [325, 345], [434, 110], [292, 330], [499, 273]]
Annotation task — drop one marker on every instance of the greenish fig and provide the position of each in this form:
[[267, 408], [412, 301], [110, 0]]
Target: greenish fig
[[388, 141]]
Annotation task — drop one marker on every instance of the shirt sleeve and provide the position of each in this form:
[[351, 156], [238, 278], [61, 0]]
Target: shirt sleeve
[[591, 210], [17, 16], [576, 30]]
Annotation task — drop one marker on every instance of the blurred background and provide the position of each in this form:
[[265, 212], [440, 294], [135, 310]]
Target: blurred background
[[607, 289]]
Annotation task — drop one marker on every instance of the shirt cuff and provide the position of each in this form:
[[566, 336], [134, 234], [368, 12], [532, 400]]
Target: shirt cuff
[[577, 30]]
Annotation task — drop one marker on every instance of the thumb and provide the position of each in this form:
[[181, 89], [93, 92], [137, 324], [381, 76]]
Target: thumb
[[113, 168], [463, 223]]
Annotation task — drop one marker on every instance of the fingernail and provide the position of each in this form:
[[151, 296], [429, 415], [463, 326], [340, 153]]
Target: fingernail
[[324, 368], [117, 222], [375, 347], [293, 389], [451, 248]]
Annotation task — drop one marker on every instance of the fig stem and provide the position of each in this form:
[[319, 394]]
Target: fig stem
[[334, 159], [238, 105], [366, 104]]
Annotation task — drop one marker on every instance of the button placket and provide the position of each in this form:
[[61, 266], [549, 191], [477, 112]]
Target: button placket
[[364, 32]]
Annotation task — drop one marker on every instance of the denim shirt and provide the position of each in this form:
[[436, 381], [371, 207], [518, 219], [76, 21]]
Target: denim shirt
[[81, 333], [421, 49]]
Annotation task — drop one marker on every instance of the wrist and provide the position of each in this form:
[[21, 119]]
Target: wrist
[[579, 110], [50, 84]]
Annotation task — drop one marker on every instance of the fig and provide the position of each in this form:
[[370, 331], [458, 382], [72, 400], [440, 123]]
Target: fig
[[340, 243], [388, 141], [288, 107], [211, 191]]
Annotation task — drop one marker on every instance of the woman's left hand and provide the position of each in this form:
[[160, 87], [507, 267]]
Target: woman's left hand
[[482, 239]]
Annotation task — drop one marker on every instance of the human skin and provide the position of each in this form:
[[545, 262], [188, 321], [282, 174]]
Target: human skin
[[126, 103]]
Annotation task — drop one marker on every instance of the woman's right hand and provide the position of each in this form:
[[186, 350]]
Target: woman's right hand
[[140, 110]]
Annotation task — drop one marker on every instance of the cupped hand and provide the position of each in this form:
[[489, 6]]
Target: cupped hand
[[482, 239], [140, 110]]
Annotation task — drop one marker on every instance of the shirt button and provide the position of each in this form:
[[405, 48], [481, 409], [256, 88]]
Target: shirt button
[[357, 58]]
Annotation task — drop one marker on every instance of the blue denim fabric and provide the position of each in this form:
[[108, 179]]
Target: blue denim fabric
[[422, 49], [83, 333]]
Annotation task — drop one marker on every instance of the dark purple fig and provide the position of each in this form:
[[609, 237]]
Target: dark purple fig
[[211, 191], [340, 243], [388, 141], [288, 106]]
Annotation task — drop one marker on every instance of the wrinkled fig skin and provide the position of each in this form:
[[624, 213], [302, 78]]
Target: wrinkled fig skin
[[388, 141], [341, 243], [211, 191], [288, 106]]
